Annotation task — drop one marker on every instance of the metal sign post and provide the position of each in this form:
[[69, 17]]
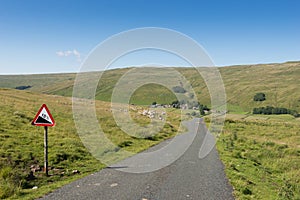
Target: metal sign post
[[44, 118], [46, 150]]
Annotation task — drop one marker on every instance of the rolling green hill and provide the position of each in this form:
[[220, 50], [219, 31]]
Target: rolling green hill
[[278, 81], [21, 144], [256, 150]]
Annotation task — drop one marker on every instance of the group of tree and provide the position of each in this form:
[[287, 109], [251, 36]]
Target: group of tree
[[23, 87], [259, 97], [202, 109], [179, 89], [154, 103], [270, 110], [190, 105]]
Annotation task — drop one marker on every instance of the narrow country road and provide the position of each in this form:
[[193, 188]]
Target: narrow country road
[[187, 178]]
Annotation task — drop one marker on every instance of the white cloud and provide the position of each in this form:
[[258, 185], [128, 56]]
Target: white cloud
[[77, 54], [60, 53], [69, 53]]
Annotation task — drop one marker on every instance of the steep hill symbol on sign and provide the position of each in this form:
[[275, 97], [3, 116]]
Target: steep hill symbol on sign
[[43, 117]]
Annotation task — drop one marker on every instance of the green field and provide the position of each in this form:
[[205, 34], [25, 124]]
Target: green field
[[278, 81], [22, 144], [260, 152], [262, 156]]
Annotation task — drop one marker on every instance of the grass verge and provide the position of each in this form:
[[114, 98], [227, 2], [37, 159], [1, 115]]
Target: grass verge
[[21, 144], [262, 156]]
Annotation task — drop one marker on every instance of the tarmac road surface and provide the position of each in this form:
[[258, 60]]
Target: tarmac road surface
[[187, 178]]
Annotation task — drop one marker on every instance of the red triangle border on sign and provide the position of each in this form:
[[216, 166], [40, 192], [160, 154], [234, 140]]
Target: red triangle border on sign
[[37, 115]]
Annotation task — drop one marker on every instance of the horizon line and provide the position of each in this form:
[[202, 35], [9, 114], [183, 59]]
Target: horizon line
[[132, 66]]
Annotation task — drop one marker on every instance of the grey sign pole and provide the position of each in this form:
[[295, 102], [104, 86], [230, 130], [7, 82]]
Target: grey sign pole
[[46, 150]]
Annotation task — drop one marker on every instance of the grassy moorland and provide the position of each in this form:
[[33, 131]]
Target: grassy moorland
[[260, 152], [278, 81], [261, 155], [22, 144]]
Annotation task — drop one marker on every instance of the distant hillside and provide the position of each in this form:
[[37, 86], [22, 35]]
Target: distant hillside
[[279, 82]]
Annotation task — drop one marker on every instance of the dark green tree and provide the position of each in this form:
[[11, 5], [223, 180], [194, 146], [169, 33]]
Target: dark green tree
[[175, 104], [259, 97], [201, 109], [179, 89]]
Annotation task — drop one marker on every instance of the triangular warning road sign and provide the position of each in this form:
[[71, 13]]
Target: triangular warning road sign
[[43, 117]]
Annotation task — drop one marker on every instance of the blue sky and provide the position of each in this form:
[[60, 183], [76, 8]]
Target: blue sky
[[56, 36]]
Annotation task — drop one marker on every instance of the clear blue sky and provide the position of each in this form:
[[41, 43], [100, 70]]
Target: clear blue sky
[[55, 36]]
